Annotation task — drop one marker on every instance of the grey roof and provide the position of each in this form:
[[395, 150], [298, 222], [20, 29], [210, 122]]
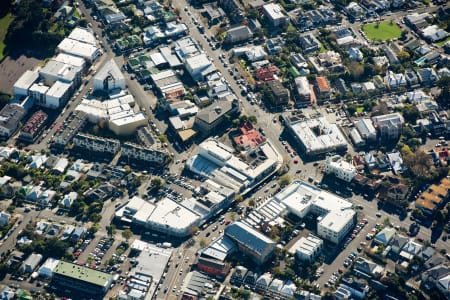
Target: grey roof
[[248, 236], [10, 115], [215, 111], [240, 31]]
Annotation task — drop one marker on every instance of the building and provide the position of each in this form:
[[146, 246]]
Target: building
[[74, 123], [54, 71], [279, 92], [303, 89], [210, 118], [389, 126], [434, 197], [168, 84], [385, 236], [336, 217], [340, 168], [218, 162], [213, 266], [214, 13], [368, 267], [316, 136], [25, 81], [82, 279], [366, 130], [393, 80], [78, 48], [109, 78], [126, 122], [68, 59], [322, 87], [57, 95], [251, 242], [427, 76], [4, 218], [308, 248], [238, 34], [357, 288], [33, 126], [199, 66], [10, 116], [234, 10], [309, 43], [46, 270], [95, 144], [155, 157], [274, 13], [31, 263], [437, 277]]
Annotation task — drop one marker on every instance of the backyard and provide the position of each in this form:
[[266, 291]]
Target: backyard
[[4, 24], [382, 31]]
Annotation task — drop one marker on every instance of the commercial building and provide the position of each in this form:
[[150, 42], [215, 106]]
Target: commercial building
[[75, 123], [340, 168], [109, 78], [251, 242], [168, 84], [145, 154], [210, 118], [10, 116], [389, 126], [303, 89], [366, 130], [57, 95], [92, 143], [126, 122], [24, 83], [308, 248], [275, 14], [33, 126], [82, 34], [218, 162], [238, 34], [80, 49], [434, 197], [82, 279], [316, 136], [199, 66], [335, 216], [279, 92], [58, 71], [68, 59], [166, 216]]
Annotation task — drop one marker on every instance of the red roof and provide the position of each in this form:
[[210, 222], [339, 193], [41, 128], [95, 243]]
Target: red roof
[[322, 84], [250, 137]]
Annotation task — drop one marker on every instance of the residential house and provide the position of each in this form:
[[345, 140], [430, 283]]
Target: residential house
[[340, 168], [309, 43], [438, 277], [10, 116], [4, 218], [368, 267], [396, 161], [411, 78], [357, 288], [322, 87], [274, 13], [31, 263], [427, 76], [410, 250], [68, 199], [397, 243], [355, 54], [234, 10], [389, 126], [303, 90], [385, 236]]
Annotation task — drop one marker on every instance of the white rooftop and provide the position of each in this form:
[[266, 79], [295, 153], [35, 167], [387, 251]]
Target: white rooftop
[[26, 79], [58, 89], [70, 60], [84, 35], [171, 214], [78, 48]]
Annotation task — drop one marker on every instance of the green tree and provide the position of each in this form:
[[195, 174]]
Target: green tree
[[410, 113], [203, 243], [162, 138], [156, 183], [111, 230], [284, 180], [127, 234]]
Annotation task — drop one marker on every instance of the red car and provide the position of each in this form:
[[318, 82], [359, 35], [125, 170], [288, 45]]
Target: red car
[[227, 222], [295, 161]]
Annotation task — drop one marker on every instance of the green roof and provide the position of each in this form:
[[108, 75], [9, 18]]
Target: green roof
[[83, 273], [294, 72]]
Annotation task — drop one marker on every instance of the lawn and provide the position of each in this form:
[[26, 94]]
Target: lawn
[[360, 109], [4, 24], [442, 43], [382, 31]]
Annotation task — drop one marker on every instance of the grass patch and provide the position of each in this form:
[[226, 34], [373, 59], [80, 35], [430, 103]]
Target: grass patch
[[442, 43], [4, 24], [382, 31], [359, 109]]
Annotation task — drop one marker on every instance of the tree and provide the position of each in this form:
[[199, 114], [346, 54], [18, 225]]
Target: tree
[[238, 198], [156, 183], [111, 229], [284, 180], [203, 243], [410, 113], [356, 69], [127, 234], [252, 203], [253, 119], [162, 138], [404, 56], [444, 84]]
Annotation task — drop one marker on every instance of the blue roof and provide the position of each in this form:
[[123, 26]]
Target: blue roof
[[248, 236]]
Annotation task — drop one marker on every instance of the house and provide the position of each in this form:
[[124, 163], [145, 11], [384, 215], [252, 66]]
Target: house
[[255, 53], [31, 263], [411, 78], [322, 87], [434, 34], [355, 11], [238, 276], [234, 10], [303, 90], [398, 191], [308, 249], [36, 161], [199, 66], [393, 80], [78, 233], [68, 199], [279, 92], [309, 43], [214, 13], [366, 130], [385, 236], [263, 282], [427, 76], [210, 118], [355, 54], [368, 267], [4, 218], [397, 243], [438, 277], [275, 15], [10, 116], [396, 161], [410, 250], [238, 34], [357, 288]]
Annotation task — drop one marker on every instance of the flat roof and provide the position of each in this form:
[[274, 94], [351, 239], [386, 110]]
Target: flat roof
[[78, 48], [70, 59], [60, 70], [274, 10], [58, 89], [84, 35], [26, 79], [82, 273], [172, 214]]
